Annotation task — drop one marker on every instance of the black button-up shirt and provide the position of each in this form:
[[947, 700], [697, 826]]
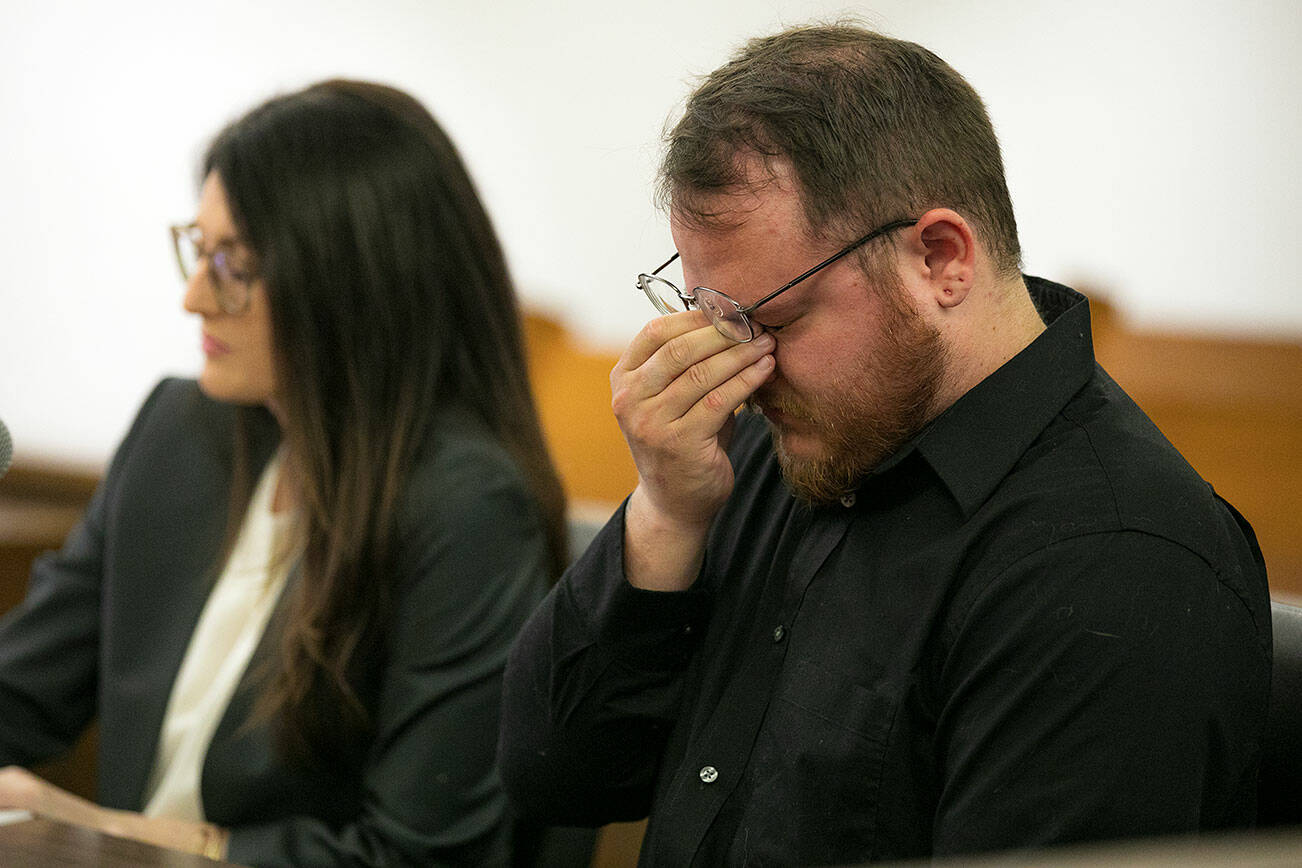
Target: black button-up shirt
[[1033, 624]]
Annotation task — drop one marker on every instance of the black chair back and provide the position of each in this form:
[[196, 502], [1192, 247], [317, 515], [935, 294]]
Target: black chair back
[[1279, 788]]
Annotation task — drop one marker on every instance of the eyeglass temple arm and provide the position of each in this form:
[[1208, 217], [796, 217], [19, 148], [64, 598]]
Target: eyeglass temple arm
[[882, 230], [688, 300], [662, 266]]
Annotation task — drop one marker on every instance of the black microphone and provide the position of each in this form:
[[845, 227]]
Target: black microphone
[[6, 449]]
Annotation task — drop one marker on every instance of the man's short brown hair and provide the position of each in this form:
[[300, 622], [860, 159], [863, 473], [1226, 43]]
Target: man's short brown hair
[[874, 129]]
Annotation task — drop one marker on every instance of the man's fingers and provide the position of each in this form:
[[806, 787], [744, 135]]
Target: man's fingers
[[655, 334], [717, 406], [684, 371], [714, 379]]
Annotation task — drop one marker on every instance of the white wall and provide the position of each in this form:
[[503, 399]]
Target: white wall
[[1150, 150]]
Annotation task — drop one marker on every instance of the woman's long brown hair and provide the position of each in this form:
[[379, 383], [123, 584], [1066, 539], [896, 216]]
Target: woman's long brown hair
[[390, 302]]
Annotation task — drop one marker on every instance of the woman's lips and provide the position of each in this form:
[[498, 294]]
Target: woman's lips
[[213, 347]]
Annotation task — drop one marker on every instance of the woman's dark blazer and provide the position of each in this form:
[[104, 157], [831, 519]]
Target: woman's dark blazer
[[107, 619]]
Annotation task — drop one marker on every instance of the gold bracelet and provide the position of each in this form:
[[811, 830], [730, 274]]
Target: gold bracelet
[[213, 843]]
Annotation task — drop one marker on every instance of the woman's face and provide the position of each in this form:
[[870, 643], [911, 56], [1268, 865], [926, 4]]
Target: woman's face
[[237, 347]]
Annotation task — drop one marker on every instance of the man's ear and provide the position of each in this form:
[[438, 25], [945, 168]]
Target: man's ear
[[949, 253]]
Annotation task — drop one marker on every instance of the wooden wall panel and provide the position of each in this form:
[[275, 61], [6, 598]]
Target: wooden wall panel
[[572, 387]]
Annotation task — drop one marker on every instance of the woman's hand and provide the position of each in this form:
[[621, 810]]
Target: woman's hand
[[20, 788]]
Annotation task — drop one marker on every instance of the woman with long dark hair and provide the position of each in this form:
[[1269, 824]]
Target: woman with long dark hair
[[291, 599]]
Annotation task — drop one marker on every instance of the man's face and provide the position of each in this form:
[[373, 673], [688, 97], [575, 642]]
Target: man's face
[[857, 367]]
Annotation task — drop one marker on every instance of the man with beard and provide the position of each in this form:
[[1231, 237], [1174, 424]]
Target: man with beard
[[946, 588]]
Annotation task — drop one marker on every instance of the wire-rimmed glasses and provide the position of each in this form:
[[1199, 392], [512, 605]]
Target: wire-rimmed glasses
[[232, 281], [729, 317]]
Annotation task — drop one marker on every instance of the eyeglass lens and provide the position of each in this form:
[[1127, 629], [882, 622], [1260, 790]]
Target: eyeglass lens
[[724, 314], [722, 311], [187, 252], [663, 294]]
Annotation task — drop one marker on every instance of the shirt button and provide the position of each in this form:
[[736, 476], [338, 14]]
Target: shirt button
[[847, 500], [709, 774], [779, 632]]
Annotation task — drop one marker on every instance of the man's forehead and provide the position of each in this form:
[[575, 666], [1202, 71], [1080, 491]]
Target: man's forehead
[[758, 180], [772, 205]]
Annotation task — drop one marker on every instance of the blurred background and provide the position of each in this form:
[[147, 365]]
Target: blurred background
[[1150, 151]]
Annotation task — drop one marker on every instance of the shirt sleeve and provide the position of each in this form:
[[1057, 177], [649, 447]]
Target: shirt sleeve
[[49, 643], [1103, 687], [474, 564], [592, 690], [49, 650]]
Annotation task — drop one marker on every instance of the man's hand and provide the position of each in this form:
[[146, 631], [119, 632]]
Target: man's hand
[[674, 392]]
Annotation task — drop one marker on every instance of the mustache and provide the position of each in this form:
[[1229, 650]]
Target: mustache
[[778, 400]]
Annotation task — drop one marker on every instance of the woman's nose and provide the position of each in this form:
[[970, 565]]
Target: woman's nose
[[200, 294]]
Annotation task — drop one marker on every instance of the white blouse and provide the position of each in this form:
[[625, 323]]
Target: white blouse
[[232, 623]]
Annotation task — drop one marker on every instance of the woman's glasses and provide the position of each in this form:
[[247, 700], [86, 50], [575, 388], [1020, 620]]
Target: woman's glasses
[[232, 282]]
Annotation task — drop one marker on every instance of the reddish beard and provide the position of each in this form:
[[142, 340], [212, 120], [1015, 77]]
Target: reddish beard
[[891, 399]]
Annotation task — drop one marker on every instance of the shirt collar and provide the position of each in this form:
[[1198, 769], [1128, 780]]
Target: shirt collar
[[973, 444]]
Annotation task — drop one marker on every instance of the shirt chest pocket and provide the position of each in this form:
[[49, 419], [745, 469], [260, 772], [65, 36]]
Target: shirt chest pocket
[[819, 761], [837, 701]]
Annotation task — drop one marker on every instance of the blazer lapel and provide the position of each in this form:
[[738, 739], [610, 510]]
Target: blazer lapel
[[168, 535]]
